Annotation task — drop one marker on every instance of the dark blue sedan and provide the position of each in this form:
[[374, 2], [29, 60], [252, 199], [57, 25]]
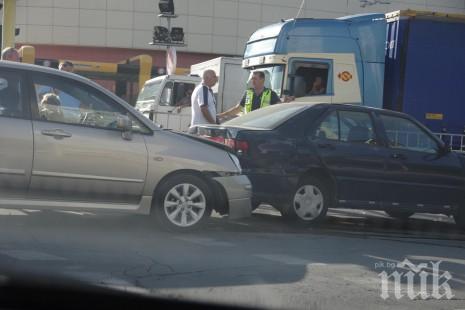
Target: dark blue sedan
[[306, 158]]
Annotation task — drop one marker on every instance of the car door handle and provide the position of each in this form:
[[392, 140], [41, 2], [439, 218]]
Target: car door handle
[[398, 156], [328, 146], [57, 133]]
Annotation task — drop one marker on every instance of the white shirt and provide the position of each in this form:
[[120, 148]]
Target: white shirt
[[202, 96]]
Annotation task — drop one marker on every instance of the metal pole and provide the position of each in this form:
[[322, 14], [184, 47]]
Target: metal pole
[[8, 29], [168, 20]]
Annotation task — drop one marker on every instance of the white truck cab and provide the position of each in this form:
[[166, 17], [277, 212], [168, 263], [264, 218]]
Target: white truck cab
[[163, 98]]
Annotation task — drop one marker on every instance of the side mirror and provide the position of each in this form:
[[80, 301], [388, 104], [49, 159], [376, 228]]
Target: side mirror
[[444, 149], [287, 92], [124, 123]]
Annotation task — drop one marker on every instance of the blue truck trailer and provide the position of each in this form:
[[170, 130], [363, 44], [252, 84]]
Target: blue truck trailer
[[408, 61], [425, 70]]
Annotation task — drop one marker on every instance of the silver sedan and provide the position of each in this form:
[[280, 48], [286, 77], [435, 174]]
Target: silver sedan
[[68, 143]]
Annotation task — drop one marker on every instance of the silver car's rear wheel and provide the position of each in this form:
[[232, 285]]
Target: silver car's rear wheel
[[308, 202], [185, 205]]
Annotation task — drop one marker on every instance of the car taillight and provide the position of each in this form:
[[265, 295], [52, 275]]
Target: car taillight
[[216, 139], [240, 146]]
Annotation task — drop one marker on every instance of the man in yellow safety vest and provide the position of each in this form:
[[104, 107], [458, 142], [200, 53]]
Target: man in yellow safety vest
[[254, 98]]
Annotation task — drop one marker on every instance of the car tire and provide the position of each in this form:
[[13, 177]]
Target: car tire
[[183, 202], [400, 215], [309, 202], [459, 218]]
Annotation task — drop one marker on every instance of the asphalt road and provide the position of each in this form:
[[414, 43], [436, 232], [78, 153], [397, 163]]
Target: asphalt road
[[261, 261]]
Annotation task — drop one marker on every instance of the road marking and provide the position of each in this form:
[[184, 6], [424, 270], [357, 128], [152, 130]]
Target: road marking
[[105, 280], [284, 259], [356, 213], [317, 264], [206, 241], [75, 212], [31, 255], [11, 212]]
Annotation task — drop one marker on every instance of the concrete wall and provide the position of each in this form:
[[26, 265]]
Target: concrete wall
[[219, 27]]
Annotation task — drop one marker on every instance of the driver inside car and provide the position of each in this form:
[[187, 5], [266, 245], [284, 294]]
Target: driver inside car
[[50, 108]]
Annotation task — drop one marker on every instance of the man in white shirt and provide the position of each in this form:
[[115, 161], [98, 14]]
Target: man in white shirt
[[203, 100]]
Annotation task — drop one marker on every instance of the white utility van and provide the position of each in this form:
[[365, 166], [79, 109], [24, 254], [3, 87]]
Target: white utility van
[[161, 97]]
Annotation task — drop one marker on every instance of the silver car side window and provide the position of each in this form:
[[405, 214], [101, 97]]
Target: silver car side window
[[10, 95], [63, 101]]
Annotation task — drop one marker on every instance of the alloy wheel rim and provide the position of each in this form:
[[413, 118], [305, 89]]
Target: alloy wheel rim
[[184, 205]]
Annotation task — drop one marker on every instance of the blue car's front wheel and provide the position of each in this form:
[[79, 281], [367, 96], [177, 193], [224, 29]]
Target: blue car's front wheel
[[309, 202]]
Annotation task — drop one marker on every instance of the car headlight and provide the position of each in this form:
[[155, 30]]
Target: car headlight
[[236, 162]]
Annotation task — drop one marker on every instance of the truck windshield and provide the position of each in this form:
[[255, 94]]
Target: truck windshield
[[274, 77], [259, 48], [149, 91]]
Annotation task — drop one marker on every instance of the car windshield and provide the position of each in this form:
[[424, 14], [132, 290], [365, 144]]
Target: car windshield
[[267, 118]]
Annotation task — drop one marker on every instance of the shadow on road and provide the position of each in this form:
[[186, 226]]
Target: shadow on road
[[262, 249], [264, 220]]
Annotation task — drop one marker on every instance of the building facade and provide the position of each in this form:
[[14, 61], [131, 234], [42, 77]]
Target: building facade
[[113, 30]]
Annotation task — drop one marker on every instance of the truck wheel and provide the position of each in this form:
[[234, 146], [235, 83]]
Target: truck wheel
[[400, 215], [309, 203], [459, 218], [182, 203]]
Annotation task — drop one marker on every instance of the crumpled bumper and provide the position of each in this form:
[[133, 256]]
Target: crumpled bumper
[[239, 195]]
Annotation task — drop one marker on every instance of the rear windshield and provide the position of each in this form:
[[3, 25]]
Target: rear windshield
[[267, 118]]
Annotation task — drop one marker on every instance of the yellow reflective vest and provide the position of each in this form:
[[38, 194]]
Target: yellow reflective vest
[[266, 99]]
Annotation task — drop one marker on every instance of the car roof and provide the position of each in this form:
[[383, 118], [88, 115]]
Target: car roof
[[349, 106], [181, 78], [36, 68]]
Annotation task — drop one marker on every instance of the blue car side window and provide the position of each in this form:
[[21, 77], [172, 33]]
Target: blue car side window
[[329, 128], [405, 134]]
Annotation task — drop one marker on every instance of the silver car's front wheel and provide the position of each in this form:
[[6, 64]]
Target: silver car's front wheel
[[185, 205], [182, 202]]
